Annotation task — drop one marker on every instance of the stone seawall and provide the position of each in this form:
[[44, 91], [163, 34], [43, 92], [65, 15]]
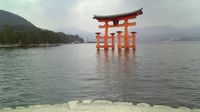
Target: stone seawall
[[99, 106], [28, 45]]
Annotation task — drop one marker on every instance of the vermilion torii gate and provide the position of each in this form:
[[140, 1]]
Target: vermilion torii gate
[[115, 19]]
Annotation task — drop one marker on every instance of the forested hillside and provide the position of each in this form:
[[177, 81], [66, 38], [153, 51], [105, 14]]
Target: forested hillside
[[17, 30]]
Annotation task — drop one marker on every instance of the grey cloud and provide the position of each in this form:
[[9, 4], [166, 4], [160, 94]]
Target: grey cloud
[[53, 14], [171, 12]]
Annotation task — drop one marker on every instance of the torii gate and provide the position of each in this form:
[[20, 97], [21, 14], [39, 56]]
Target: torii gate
[[115, 19]]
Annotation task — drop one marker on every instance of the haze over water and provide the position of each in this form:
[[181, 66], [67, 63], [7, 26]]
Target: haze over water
[[162, 73]]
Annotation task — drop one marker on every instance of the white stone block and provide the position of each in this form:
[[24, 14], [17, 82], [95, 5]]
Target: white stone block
[[86, 101], [34, 106], [103, 101], [184, 109], [6, 110], [162, 108], [123, 103], [72, 104], [143, 105], [195, 110]]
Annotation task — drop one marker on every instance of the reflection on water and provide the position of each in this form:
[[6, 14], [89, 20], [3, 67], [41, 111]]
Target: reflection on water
[[155, 74], [117, 69], [114, 60]]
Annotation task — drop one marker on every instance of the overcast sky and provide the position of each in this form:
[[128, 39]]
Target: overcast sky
[[55, 14]]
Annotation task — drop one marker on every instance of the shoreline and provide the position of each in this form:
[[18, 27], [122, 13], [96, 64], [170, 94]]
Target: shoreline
[[28, 45], [99, 106]]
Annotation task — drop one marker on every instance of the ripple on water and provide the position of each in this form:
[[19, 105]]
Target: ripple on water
[[155, 74]]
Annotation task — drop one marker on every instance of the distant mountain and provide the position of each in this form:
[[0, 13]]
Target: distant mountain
[[150, 33], [16, 30], [168, 33], [87, 36]]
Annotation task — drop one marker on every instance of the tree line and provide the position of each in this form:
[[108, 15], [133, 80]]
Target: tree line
[[26, 36]]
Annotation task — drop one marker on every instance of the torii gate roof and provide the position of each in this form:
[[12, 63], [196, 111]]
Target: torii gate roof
[[129, 15]]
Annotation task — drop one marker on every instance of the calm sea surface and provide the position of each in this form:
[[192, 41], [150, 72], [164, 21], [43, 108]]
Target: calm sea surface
[[162, 73]]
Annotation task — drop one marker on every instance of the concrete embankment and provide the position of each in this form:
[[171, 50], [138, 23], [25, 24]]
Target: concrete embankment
[[28, 45], [99, 106]]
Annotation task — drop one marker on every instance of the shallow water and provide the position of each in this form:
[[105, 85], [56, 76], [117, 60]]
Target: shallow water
[[157, 73]]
